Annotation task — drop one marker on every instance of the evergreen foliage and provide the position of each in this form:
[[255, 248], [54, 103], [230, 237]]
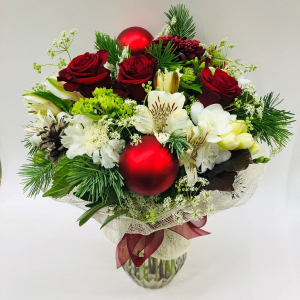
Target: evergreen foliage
[[94, 183], [180, 22], [37, 174], [178, 144], [166, 59], [273, 126], [105, 42], [28, 145]]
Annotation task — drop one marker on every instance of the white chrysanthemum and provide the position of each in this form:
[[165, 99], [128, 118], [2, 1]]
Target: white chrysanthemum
[[91, 138], [164, 114]]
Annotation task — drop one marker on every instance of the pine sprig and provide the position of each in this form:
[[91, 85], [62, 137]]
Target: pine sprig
[[37, 174], [177, 144], [28, 145], [94, 181], [165, 58], [180, 22], [273, 126], [105, 42]]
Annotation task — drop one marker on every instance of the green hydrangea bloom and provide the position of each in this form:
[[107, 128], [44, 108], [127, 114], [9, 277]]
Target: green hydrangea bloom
[[188, 75], [105, 102]]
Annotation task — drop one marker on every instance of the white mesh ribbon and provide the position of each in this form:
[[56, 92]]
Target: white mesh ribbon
[[174, 244]]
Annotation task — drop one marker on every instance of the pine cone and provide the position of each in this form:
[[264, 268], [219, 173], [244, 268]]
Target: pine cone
[[187, 49], [51, 140]]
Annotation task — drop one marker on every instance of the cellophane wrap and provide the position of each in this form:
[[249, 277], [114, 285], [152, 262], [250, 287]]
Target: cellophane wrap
[[174, 244]]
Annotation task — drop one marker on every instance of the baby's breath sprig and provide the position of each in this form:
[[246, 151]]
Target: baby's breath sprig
[[136, 139], [218, 54], [39, 67], [148, 87], [60, 65], [62, 44], [39, 88], [58, 47]]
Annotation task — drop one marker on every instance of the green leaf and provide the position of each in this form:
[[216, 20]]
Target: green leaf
[[69, 105], [222, 176], [93, 116], [89, 213], [192, 86], [222, 182], [61, 185], [110, 218]]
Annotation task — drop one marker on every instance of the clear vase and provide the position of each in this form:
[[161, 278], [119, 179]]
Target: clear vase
[[154, 273]]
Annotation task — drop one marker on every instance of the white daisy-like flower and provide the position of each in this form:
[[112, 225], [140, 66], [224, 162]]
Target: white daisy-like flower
[[164, 114], [85, 136]]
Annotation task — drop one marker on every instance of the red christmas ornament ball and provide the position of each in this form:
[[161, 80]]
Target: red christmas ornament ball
[[137, 38], [148, 168]]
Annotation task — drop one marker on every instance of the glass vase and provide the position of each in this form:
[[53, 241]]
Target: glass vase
[[154, 273]]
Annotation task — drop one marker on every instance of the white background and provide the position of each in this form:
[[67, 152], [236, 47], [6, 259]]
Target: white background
[[253, 251]]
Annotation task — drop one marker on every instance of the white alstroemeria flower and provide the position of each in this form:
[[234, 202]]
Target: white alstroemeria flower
[[40, 122], [57, 88], [203, 155], [85, 136], [211, 122], [164, 114], [162, 137], [35, 103]]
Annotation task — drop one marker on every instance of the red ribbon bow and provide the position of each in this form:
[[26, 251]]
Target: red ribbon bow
[[132, 245]]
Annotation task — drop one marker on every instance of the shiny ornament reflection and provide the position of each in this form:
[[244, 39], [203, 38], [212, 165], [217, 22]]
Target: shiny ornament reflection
[[148, 168], [137, 38]]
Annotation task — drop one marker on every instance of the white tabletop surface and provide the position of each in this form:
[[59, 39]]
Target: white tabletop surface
[[253, 250]]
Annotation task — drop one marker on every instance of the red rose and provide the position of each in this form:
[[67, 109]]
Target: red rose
[[85, 73], [135, 71], [218, 88]]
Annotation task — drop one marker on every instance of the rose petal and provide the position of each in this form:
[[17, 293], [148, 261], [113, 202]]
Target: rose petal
[[69, 86]]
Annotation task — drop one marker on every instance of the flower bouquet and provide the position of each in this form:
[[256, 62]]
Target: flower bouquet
[[150, 136]]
